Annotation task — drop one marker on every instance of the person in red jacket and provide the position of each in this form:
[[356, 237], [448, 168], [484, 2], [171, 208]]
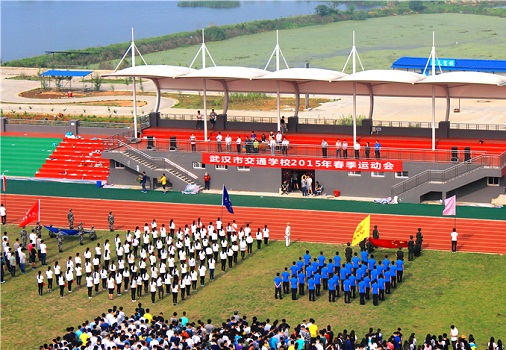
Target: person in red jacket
[[207, 181]]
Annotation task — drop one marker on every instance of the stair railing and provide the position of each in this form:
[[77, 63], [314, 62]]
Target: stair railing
[[453, 172]]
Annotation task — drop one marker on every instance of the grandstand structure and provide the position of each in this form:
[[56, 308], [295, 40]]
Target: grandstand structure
[[415, 164]]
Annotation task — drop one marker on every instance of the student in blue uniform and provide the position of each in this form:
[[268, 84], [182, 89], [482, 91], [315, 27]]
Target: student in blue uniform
[[367, 281], [353, 285], [277, 287], [307, 258], [337, 262], [294, 269], [375, 293], [293, 285], [336, 282], [315, 265], [285, 275], [343, 275], [309, 271], [301, 280], [399, 269], [331, 268], [311, 288], [364, 255], [321, 260], [325, 277], [371, 262], [332, 291], [355, 260], [318, 283], [347, 291], [393, 274], [381, 285], [361, 292], [300, 264], [388, 283]]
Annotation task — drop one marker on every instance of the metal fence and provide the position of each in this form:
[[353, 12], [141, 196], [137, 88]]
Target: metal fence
[[294, 150], [82, 123], [340, 121]]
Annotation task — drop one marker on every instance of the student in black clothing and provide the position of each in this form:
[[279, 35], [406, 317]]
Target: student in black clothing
[[348, 252]]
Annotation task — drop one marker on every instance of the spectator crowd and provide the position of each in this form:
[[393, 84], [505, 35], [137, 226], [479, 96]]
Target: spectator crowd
[[145, 331]]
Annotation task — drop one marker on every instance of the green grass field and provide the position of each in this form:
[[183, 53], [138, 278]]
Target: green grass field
[[379, 41], [440, 289]]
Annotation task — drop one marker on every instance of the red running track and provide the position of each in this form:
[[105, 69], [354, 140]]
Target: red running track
[[484, 236]]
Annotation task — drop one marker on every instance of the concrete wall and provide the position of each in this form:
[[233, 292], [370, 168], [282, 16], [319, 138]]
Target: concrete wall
[[477, 191], [365, 185]]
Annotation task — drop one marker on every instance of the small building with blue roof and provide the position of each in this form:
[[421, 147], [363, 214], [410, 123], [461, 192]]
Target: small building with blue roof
[[419, 64]]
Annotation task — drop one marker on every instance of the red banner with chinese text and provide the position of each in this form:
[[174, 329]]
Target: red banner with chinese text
[[267, 161]]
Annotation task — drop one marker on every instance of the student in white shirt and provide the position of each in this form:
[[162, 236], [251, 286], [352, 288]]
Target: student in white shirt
[[89, 285], [40, 282], [110, 286], [69, 276], [49, 276], [266, 235]]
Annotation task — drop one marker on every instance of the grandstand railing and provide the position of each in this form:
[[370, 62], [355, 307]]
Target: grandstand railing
[[50, 122], [339, 121], [143, 123], [443, 176], [294, 150], [41, 122]]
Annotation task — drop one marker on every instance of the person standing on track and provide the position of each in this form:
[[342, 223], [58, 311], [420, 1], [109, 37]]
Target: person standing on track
[[454, 235], [288, 230]]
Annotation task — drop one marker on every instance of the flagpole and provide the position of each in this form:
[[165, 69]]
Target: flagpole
[[39, 212], [222, 195], [4, 190]]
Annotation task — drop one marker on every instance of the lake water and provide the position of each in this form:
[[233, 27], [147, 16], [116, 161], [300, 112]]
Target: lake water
[[29, 28]]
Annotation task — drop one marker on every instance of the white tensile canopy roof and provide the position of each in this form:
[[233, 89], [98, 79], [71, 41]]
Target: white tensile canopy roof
[[386, 83], [152, 72], [390, 83], [468, 85]]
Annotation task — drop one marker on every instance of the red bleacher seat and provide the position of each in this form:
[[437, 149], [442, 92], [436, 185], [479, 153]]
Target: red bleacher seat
[[76, 159]]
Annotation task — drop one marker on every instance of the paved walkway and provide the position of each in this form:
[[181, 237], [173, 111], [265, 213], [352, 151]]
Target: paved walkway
[[385, 108]]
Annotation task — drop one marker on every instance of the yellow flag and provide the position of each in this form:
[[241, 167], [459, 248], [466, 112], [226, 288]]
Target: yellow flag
[[362, 231]]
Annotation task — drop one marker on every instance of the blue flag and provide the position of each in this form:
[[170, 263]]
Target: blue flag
[[225, 200]]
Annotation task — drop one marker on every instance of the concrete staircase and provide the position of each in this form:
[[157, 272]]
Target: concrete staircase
[[153, 166], [411, 190]]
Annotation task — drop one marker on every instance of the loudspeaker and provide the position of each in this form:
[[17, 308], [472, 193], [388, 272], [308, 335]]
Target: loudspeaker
[[467, 154], [151, 142], [455, 152], [173, 143]]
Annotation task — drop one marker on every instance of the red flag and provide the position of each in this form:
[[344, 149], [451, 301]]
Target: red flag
[[4, 183], [31, 215]]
